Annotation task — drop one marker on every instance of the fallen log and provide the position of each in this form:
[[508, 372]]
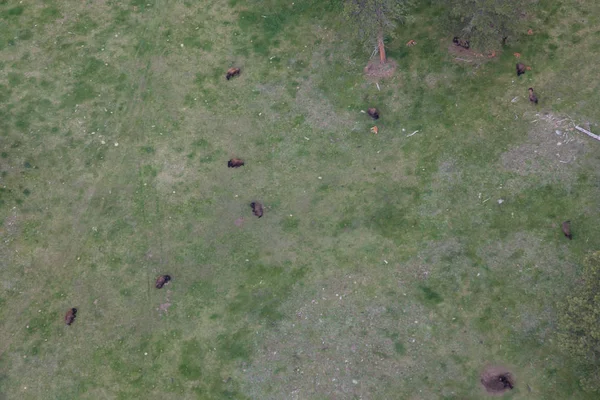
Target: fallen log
[[590, 134]]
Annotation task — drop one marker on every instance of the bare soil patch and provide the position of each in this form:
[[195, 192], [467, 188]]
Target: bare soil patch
[[462, 55], [377, 70], [552, 150], [497, 380]]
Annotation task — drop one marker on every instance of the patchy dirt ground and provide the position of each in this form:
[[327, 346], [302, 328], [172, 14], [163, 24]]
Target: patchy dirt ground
[[462, 55], [553, 147], [376, 70]]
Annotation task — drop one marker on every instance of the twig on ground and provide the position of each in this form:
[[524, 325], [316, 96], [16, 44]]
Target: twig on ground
[[590, 134], [378, 88], [412, 133], [374, 52]]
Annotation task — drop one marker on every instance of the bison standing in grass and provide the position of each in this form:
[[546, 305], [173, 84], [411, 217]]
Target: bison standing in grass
[[231, 72], [532, 97], [162, 280], [70, 316], [373, 113]]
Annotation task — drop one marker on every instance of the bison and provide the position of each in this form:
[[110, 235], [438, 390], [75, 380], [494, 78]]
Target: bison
[[162, 280], [70, 316], [373, 113], [566, 228], [257, 209], [532, 97], [235, 163], [231, 72], [461, 43]]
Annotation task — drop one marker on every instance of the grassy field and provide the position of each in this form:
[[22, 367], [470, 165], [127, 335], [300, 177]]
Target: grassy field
[[385, 266]]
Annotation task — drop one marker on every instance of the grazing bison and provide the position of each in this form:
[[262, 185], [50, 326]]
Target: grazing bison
[[235, 163], [566, 228], [70, 316], [505, 382], [257, 209], [231, 72], [532, 97], [461, 43], [162, 280], [521, 69], [373, 113]]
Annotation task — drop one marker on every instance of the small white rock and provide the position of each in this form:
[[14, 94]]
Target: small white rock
[[500, 201]]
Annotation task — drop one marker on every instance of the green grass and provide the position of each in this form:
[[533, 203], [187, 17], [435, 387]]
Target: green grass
[[383, 267]]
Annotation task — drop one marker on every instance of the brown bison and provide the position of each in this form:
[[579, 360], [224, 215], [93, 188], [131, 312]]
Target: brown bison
[[461, 43], [566, 228], [373, 113], [257, 209], [162, 280], [70, 316], [231, 72], [532, 97], [235, 163]]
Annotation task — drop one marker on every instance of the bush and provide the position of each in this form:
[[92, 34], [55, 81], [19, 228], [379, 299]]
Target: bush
[[580, 325]]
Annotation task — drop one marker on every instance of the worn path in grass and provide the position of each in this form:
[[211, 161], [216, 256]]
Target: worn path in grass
[[385, 266]]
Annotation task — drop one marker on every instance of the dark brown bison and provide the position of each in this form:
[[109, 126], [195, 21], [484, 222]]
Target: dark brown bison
[[373, 113], [521, 68], [532, 97], [235, 163], [461, 43], [257, 209], [566, 228], [231, 72], [70, 316], [162, 280], [505, 382]]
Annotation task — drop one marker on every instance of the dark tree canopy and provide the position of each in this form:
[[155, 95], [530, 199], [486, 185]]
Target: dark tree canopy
[[487, 24], [375, 19]]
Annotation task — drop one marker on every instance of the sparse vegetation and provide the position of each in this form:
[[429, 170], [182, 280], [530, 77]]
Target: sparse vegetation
[[580, 334], [389, 266]]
